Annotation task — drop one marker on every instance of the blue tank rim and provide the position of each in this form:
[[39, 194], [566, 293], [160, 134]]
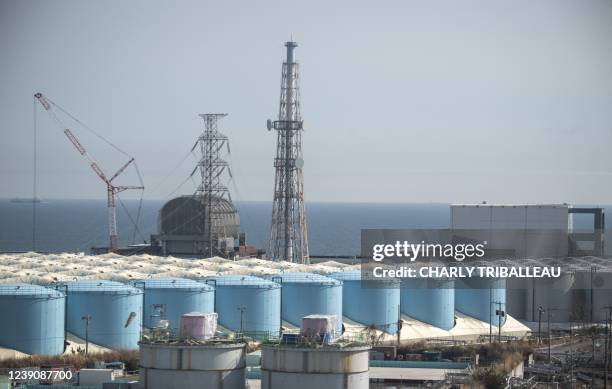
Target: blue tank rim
[[429, 283], [99, 287], [353, 275], [23, 290], [305, 278], [239, 281], [173, 283]]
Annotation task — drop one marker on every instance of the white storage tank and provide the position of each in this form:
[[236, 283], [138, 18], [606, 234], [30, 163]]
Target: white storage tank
[[602, 294], [517, 292], [211, 365], [557, 296], [329, 367]]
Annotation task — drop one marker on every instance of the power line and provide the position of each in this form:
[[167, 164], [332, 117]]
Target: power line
[[35, 176]]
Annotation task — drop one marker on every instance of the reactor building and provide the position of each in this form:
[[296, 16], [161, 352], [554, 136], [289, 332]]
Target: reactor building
[[183, 228], [207, 222]]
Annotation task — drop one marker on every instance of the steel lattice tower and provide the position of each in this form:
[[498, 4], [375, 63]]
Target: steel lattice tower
[[212, 189], [288, 235]]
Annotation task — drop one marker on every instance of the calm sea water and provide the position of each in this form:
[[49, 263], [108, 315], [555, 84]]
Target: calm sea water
[[77, 225]]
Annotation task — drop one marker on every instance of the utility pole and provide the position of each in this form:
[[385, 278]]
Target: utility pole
[[399, 324], [549, 314], [500, 314], [607, 347], [490, 316], [571, 356], [593, 339], [87, 319], [288, 233]]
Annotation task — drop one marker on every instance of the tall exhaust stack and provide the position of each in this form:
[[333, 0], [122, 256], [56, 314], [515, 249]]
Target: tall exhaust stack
[[288, 235]]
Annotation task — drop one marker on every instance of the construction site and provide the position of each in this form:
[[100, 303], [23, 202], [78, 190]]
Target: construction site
[[198, 306]]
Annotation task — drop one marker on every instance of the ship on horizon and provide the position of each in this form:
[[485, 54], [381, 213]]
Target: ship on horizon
[[26, 200]]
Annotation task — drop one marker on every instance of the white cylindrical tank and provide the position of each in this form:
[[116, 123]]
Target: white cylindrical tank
[[556, 296], [517, 292], [331, 367], [602, 295], [178, 366]]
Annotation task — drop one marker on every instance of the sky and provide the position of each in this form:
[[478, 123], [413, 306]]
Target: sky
[[403, 101]]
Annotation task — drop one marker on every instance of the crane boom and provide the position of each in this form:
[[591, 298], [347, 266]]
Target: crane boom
[[121, 169], [111, 190], [94, 165]]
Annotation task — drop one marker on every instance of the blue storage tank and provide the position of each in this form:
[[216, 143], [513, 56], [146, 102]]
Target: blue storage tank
[[169, 298], [33, 319], [431, 301], [306, 294], [369, 306], [481, 297], [115, 310], [259, 298]]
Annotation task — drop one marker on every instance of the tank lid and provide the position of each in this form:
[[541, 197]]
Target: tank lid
[[28, 290], [241, 280], [306, 278], [173, 283], [199, 314], [355, 275], [101, 286]]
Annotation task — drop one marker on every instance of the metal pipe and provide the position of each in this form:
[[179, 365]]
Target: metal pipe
[[142, 310], [290, 48], [65, 287]]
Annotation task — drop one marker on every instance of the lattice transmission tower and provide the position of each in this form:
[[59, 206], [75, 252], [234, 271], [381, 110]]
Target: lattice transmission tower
[[212, 191], [288, 235]]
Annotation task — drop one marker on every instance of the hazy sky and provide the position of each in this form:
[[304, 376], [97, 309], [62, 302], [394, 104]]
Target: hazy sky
[[403, 101]]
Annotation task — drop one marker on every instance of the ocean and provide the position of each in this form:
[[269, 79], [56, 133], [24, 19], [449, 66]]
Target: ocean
[[78, 225]]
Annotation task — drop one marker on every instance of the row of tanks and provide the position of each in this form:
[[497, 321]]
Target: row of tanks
[[111, 314], [576, 296]]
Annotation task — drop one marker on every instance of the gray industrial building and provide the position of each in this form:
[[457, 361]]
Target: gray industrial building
[[182, 226]]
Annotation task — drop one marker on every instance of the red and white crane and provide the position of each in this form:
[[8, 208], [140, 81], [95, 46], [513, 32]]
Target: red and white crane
[[111, 189]]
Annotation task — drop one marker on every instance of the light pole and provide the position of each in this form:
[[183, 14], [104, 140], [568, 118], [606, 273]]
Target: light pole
[[540, 311], [87, 319]]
